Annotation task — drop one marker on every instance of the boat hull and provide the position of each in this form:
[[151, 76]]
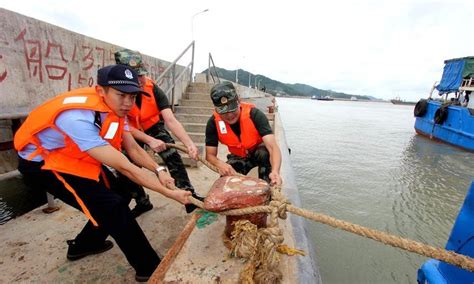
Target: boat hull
[[461, 241], [457, 129], [398, 102], [324, 99]]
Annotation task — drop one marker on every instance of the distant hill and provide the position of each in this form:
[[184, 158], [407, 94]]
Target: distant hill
[[275, 87]]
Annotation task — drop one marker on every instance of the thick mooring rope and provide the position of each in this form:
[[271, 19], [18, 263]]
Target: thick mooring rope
[[280, 205]]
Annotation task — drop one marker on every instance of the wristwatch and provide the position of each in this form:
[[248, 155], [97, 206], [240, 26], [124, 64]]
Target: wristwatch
[[160, 168]]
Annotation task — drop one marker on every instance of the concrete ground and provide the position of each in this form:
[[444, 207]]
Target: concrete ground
[[34, 245]]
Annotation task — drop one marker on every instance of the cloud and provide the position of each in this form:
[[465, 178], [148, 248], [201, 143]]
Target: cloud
[[378, 48]]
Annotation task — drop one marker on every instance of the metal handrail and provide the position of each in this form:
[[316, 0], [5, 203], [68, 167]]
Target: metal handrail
[[178, 78], [209, 72], [172, 68]]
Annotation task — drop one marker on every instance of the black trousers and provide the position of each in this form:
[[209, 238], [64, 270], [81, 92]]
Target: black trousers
[[258, 158], [109, 207]]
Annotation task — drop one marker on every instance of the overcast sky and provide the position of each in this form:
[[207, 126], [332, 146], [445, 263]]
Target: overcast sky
[[378, 48]]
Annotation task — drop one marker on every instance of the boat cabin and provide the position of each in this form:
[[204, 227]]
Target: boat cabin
[[457, 79]]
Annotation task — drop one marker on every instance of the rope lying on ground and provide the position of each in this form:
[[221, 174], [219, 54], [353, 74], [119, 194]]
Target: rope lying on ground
[[279, 206]]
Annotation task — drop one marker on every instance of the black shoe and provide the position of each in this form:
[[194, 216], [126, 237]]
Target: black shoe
[[141, 208], [76, 251], [191, 207], [140, 278]]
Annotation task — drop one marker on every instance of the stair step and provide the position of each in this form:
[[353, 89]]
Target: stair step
[[199, 95], [199, 90], [196, 118], [197, 137], [194, 110], [204, 103], [200, 87], [194, 127]]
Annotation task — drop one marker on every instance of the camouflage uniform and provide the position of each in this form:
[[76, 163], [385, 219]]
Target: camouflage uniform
[[260, 157], [171, 157]]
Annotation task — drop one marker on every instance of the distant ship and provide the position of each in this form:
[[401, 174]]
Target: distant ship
[[398, 101], [326, 98]]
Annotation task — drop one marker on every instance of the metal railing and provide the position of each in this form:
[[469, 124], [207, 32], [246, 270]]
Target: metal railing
[[175, 78], [467, 84], [209, 74]]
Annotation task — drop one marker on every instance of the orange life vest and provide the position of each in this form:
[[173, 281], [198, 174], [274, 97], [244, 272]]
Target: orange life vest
[[69, 159], [148, 114], [249, 136]]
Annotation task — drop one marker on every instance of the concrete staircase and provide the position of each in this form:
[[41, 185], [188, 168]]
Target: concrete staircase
[[194, 110]]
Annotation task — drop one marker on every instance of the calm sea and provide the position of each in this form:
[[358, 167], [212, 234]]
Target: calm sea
[[363, 162]]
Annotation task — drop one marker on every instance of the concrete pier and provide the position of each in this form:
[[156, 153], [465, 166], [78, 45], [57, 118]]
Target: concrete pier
[[34, 245], [39, 61]]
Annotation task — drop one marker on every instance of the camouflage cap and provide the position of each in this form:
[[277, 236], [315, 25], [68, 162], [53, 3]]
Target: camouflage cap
[[131, 58], [224, 97]]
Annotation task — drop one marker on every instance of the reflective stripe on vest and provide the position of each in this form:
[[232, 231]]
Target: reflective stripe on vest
[[249, 136], [148, 114]]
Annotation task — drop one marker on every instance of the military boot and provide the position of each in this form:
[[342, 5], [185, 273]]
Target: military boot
[[143, 205], [191, 207]]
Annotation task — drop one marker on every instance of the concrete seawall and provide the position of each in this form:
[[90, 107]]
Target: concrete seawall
[[39, 61], [308, 267]]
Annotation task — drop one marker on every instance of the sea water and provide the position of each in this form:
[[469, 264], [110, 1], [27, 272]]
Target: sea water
[[362, 162]]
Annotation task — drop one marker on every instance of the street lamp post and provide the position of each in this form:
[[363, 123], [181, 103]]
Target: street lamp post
[[192, 39], [192, 21], [255, 82]]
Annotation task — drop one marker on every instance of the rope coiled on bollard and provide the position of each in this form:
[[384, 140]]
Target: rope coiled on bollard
[[280, 205]]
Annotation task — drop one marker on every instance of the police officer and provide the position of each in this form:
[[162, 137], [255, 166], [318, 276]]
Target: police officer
[[63, 145], [246, 132]]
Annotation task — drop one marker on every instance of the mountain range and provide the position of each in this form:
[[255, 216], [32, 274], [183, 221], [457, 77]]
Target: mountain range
[[278, 88]]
